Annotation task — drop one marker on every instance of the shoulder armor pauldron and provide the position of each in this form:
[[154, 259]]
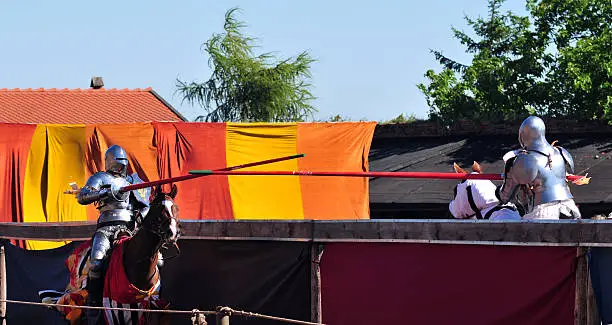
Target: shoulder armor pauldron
[[567, 158]]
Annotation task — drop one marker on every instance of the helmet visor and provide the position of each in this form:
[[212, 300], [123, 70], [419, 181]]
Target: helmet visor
[[117, 166]]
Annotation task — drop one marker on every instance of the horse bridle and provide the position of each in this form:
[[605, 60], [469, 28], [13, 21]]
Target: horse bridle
[[158, 228]]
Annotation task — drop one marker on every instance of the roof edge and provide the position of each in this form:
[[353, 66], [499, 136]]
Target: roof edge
[[431, 129], [161, 99], [51, 90]]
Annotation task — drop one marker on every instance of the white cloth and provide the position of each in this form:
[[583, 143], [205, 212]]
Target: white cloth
[[503, 214], [553, 210], [483, 192]]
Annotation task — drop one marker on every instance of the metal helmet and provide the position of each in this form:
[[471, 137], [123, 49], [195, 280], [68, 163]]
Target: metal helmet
[[116, 160], [532, 134]]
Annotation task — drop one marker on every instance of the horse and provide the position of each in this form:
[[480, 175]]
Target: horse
[[132, 278], [476, 198]]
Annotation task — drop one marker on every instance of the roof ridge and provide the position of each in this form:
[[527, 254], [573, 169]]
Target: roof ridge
[[84, 105], [75, 90]]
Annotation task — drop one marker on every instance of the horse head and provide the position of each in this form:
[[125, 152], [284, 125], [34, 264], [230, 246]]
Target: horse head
[[473, 198], [162, 218], [475, 168]]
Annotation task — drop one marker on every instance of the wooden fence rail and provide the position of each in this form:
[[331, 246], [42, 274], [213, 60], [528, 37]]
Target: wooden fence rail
[[585, 233], [581, 234]]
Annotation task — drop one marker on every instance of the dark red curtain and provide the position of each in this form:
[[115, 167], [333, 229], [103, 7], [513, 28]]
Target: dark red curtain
[[399, 283]]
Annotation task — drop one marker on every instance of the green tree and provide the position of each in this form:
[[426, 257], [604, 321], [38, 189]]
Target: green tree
[[561, 65], [338, 118], [580, 32], [502, 80], [402, 119], [247, 87]]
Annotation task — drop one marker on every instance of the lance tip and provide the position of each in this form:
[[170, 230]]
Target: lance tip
[[201, 172]]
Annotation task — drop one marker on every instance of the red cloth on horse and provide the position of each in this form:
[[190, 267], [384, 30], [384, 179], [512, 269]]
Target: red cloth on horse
[[119, 292]]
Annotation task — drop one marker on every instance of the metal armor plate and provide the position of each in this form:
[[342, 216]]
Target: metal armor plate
[[546, 175], [99, 179], [568, 158], [116, 200], [111, 207], [511, 154], [141, 195]]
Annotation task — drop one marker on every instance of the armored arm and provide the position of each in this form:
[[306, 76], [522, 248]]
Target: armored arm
[[90, 194], [93, 190], [520, 170]]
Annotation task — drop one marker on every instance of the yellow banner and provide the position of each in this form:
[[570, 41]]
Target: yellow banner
[[56, 159], [264, 197]]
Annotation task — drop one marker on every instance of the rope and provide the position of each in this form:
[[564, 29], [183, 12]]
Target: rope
[[256, 315], [206, 312], [221, 310]]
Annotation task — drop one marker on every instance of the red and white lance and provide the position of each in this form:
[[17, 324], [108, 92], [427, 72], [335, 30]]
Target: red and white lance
[[192, 176], [231, 171], [434, 175], [75, 190]]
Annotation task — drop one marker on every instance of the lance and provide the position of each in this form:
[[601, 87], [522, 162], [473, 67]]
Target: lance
[[191, 176], [573, 178]]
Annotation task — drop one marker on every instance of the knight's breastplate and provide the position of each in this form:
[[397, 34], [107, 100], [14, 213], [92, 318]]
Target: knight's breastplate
[[550, 183], [113, 209]]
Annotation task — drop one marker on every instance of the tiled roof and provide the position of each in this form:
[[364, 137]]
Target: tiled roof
[[84, 106]]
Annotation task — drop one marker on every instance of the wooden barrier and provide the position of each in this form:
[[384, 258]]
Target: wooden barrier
[[581, 234], [2, 286]]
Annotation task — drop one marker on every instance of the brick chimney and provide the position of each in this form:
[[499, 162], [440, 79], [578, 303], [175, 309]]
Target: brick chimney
[[96, 83]]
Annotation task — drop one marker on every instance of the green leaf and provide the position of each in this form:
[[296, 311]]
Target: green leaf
[[249, 87]]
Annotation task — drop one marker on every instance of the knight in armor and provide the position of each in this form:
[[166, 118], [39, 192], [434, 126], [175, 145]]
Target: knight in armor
[[539, 169], [119, 213]]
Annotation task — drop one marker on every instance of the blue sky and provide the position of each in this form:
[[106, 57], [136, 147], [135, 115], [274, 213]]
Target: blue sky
[[370, 56]]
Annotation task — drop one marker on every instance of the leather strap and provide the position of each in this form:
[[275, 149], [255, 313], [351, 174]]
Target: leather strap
[[472, 203]]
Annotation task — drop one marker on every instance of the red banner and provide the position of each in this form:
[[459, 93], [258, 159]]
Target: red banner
[[424, 284]]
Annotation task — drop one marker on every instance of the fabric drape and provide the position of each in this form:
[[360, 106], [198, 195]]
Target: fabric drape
[[188, 146], [447, 284], [261, 197], [337, 147], [41, 160], [55, 160], [14, 150]]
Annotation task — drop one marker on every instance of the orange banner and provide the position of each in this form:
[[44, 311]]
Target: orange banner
[[137, 140], [14, 148], [41, 160], [335, 147]]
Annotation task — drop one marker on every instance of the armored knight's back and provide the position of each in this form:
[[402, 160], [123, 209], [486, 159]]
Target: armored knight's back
[[538, 170], [549, 167]]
